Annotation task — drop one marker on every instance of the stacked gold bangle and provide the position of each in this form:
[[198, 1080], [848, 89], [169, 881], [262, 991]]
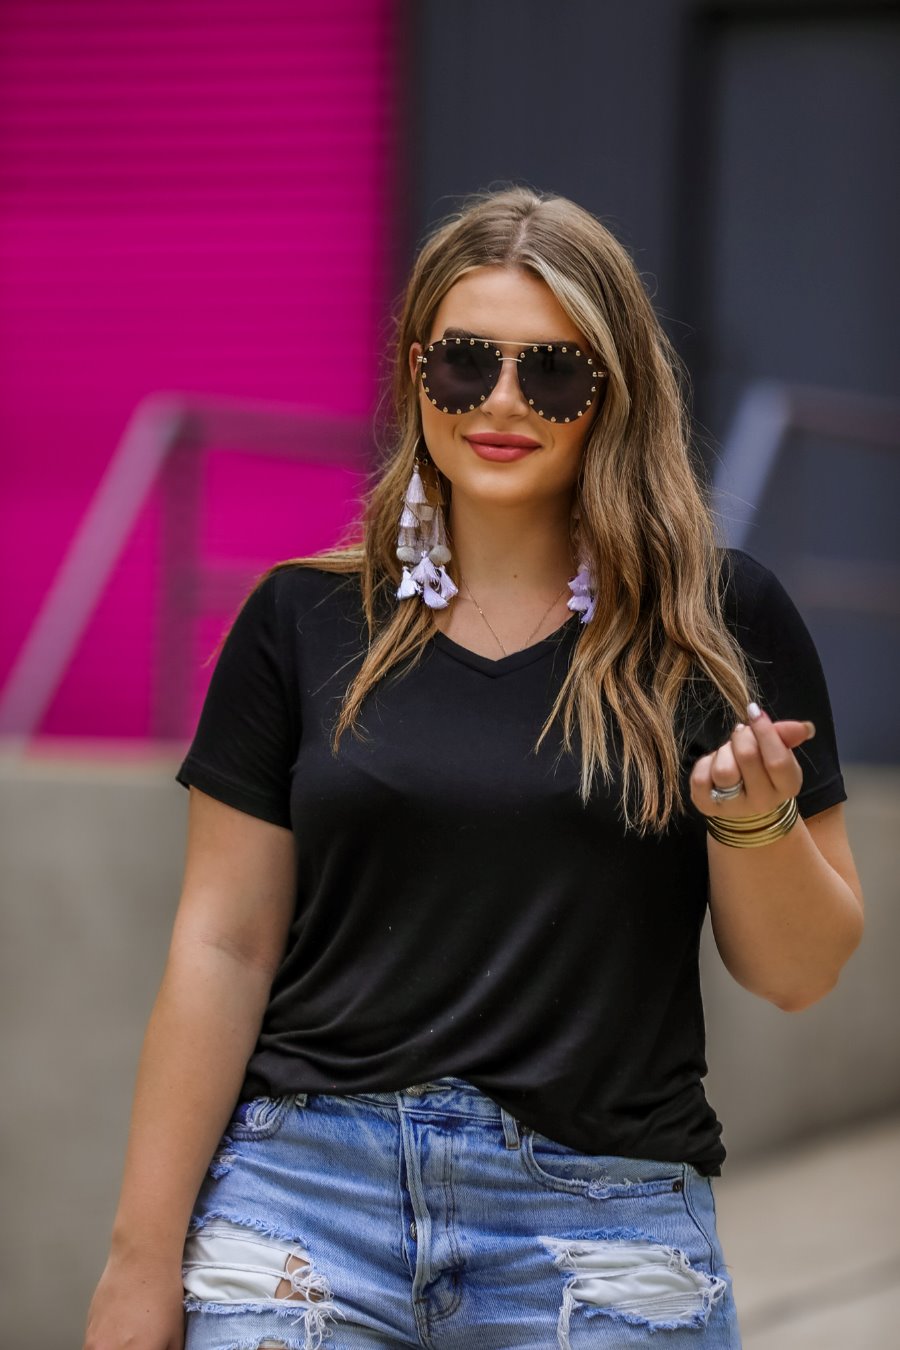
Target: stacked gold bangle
[[754, 831]]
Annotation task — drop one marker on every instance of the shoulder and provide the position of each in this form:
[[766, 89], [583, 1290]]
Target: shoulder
[[752, 595], [766, 621], [292, 599], [299, 591], [742, 577]]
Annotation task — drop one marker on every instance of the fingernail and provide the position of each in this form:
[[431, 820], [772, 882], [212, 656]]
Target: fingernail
[[754, 711], [740, 726], [810, 730]]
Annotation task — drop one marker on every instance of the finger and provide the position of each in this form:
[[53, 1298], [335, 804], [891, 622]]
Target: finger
[[795, 733], [724, 770], [776, 757], [739, 761], [748, 756], [701, 781]]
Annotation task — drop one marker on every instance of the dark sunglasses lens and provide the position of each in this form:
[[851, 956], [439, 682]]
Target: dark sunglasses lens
[[558, 382], [458, 376]]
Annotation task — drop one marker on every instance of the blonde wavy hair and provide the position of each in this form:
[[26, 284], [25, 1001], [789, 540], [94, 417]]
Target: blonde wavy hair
[[642, 522]]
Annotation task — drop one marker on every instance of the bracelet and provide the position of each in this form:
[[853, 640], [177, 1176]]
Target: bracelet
[[754, 831]]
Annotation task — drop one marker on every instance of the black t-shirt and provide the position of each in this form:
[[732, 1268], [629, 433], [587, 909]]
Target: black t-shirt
[[459, 910]]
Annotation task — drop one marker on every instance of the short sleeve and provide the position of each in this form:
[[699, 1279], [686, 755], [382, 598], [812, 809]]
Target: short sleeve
[[248, 732], [791, 680]]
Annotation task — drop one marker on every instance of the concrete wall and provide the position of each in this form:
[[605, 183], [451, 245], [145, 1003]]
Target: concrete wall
[[91, 867], [776, 1078], [92, 858]]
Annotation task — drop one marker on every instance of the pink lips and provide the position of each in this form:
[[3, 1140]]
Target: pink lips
[[498, 446]]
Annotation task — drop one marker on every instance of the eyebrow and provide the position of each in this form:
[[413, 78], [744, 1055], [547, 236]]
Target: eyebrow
[[521, 342]]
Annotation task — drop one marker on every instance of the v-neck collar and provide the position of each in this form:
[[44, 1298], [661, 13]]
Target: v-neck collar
[[515, 660]]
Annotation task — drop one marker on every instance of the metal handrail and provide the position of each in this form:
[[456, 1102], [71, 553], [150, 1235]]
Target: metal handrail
[[767, 414], [165, 431]]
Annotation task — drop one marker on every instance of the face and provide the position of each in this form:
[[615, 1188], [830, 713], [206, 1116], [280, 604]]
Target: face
[[513, 307]]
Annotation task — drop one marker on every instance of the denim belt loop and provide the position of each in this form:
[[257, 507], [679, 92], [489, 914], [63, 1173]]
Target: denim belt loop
[[510, 1129]]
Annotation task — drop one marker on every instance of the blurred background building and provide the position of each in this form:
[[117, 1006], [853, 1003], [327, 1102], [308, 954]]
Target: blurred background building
[[206, 215]]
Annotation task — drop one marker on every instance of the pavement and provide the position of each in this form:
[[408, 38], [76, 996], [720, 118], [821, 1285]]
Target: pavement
[[811, 1237]]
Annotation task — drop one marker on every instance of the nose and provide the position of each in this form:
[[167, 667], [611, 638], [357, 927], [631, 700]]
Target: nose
[[506, 397]]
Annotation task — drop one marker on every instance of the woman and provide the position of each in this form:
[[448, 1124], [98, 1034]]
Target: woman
[[426, 1064]]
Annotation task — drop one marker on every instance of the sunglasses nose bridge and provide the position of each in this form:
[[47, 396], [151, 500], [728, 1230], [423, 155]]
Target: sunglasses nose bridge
[[508, 385]]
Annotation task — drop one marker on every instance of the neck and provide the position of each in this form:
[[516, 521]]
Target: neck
[[512, 551]]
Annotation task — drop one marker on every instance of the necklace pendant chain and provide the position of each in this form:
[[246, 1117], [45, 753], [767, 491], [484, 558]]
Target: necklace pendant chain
[[555, 599]]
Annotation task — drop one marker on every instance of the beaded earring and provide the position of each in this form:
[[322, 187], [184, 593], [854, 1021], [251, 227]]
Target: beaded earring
[[582, 584], [582, 588], [422, 540]]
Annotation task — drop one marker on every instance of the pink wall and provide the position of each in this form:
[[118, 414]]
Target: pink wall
[[194, 195]]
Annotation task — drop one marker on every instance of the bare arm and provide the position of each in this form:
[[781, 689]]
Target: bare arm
[[787, 916], [229, 934]]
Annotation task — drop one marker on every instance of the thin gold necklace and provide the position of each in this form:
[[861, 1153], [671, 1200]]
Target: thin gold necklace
[[533, 631]]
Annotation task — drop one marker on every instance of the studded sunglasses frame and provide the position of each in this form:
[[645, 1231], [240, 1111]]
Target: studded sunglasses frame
[[526, 349]]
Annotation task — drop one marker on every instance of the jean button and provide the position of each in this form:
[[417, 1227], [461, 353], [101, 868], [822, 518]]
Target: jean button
[[416, 1090]]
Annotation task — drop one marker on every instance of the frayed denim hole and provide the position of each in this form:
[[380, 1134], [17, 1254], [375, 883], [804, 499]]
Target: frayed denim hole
[[230, 1268], [221, 1164], [260, 1118], [637, 1282]]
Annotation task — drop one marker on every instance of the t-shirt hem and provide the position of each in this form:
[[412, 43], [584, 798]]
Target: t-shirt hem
[[191, 773], [822, 796], [271, 1076]]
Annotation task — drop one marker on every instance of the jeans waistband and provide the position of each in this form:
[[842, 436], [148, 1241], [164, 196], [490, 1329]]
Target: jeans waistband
[[446, 1096]]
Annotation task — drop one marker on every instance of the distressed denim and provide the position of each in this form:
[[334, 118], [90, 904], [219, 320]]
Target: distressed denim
[[430, 1217]]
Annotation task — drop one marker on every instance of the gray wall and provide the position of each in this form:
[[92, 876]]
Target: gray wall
[[746, 153]]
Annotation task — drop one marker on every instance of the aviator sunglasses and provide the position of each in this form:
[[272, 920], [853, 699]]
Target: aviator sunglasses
[[558, 380]]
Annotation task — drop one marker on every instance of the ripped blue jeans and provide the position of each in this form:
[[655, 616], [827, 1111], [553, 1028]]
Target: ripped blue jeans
[[430, 1217]]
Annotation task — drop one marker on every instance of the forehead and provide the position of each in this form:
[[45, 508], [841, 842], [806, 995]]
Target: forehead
[[504, 303]]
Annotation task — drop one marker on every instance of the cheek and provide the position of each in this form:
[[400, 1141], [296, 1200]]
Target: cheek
[[569, 446], [441, 435], [436, 426]]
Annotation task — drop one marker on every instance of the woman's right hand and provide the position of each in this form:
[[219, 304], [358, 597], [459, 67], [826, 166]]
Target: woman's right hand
[[136, 1307]]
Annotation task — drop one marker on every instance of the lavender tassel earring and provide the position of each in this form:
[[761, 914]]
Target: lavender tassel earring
[[426, 548], [582, 588]]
